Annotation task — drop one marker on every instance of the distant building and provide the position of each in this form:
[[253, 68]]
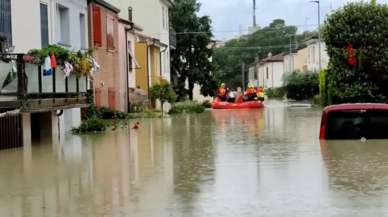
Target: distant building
[[152, 47], [271, 71], [306, 59], [313, 55], [113, 39], [289, 62]]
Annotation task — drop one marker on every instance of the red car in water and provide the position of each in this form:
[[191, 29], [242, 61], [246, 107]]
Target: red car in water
[[355, 121]]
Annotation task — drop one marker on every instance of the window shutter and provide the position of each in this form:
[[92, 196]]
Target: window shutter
[[6, 22], [110, 32], [97, 38]]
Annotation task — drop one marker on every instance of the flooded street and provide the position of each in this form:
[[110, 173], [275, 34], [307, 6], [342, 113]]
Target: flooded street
[[217, 164]]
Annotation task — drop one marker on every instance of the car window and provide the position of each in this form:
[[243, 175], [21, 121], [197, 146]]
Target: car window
[[358, 124]]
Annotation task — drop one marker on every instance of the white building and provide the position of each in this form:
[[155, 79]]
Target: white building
[[39, 23], [271, 71], [289, 62], [313, 55]]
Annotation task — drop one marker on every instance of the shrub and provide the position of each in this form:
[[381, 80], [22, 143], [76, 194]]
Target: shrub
[[91, 125], [355, 37], [206, 104], [276, 93], [300, 86], [324, 100], [317, 100], [163, 92], [187, 107], [105, 113]]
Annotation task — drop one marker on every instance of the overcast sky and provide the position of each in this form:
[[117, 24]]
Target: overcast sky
[[229, 16]]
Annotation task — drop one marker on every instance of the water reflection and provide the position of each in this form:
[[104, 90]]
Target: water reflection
[[356, 166], [221, 163]]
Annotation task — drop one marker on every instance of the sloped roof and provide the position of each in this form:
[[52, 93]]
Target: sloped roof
[[275, 58]]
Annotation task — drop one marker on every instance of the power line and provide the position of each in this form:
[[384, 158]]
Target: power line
[[245, 30], [259, 47]]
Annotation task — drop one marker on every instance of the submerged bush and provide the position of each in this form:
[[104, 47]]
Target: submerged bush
[[276, 93], [207, 104], [300, 86], [91, 125], [187, 107]]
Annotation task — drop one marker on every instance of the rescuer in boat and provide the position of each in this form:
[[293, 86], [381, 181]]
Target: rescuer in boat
[[250, 93], [222, 92], [260, 94]]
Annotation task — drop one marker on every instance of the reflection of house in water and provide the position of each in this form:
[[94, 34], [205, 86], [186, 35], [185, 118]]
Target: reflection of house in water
[[48, 104]]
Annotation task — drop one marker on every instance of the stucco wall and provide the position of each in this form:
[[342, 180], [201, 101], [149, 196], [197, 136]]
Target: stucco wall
[[275, 74], [107, 78], [142, 71], [26, 23], [313, 56], [301, 60], [148, 15]]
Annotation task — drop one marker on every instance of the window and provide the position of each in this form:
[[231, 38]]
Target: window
[[165, 17], [44, 25], [97, 39], [5, 24], [110, 32], [82, 23], [357, 124], [267, 73], [64, 25]]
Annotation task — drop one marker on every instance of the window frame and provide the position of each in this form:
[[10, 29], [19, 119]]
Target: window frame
[[83, 30], [48, 23], [64, 31], [6, 30]]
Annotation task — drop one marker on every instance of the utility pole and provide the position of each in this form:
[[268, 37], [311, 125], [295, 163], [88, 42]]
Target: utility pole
[[243, 75], [254, 14], [319, 33], [289, 64]]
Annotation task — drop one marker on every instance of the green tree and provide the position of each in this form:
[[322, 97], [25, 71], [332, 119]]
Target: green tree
[[163, 92], [362, 26], [191, 60], [274, 38]]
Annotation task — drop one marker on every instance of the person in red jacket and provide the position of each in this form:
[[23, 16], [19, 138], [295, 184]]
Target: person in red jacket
[[250, 93]]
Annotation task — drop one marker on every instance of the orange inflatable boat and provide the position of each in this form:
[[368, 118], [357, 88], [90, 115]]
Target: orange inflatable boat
[[218, 104]]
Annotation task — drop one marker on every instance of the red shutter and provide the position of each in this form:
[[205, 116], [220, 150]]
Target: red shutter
[[97, 26]]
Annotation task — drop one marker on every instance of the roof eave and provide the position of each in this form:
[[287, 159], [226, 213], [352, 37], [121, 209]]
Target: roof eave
[[106, 5]]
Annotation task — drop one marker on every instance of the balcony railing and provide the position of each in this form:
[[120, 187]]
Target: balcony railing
[[22, 82]]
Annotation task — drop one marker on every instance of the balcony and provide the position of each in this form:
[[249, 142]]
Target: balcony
[[24, 86]]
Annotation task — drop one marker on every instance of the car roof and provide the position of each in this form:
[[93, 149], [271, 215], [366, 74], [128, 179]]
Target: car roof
[[356, 106]]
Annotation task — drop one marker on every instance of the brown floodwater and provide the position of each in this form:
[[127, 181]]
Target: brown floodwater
[[218, 164]]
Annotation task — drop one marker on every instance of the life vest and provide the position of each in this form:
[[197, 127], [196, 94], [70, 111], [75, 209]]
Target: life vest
[[260, 92], [250, 92]]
